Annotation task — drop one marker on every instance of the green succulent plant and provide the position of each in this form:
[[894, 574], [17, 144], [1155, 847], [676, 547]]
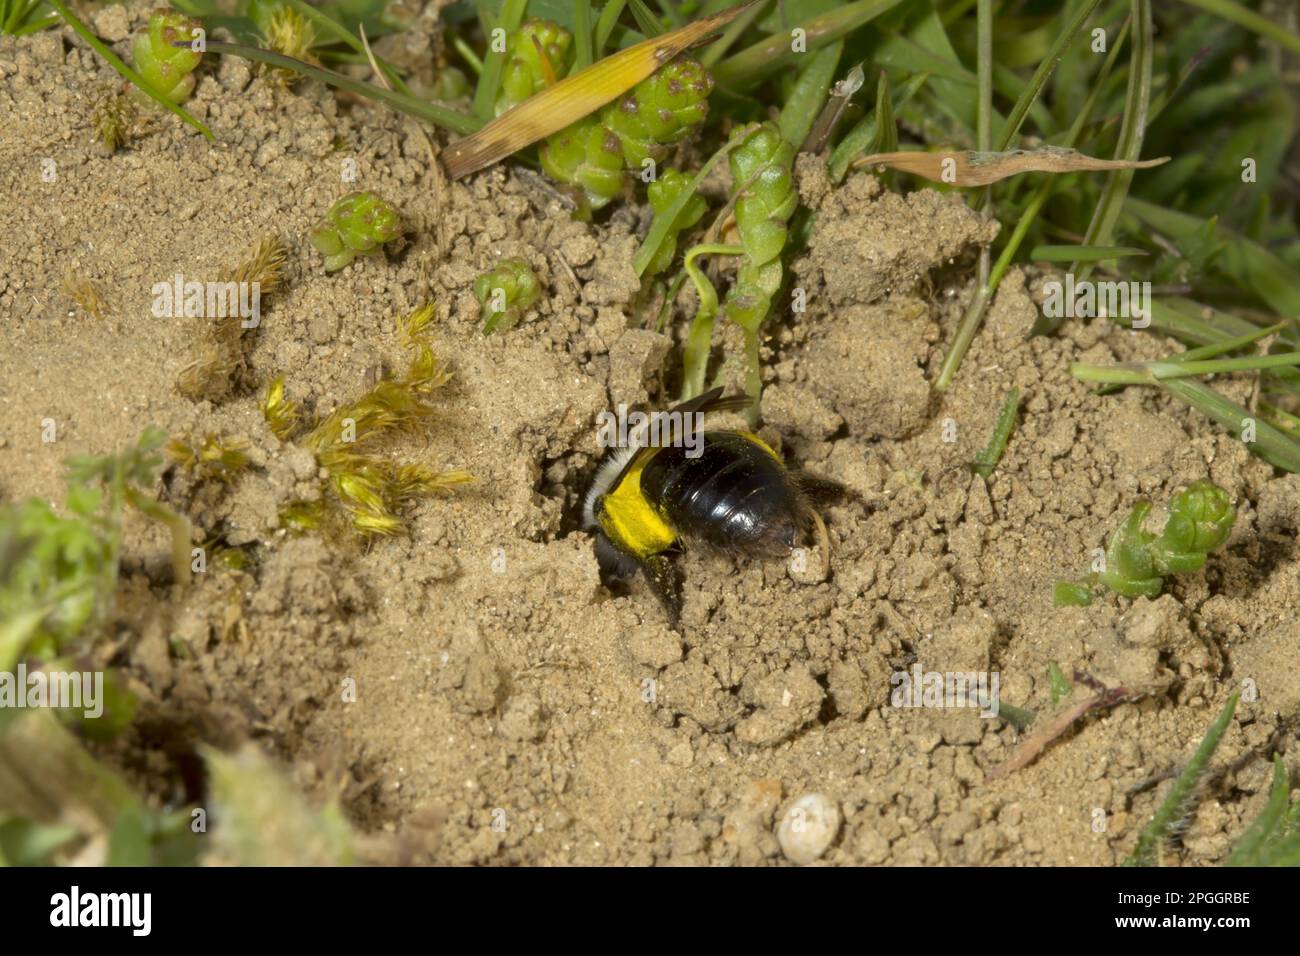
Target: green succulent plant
[[1137, 562], [168, 68], [358, 224], [662, 193], [504, 292], [657, 113], [539, 52]]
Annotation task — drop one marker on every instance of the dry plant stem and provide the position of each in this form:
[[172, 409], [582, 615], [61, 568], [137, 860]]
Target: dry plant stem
[[1033, 745]]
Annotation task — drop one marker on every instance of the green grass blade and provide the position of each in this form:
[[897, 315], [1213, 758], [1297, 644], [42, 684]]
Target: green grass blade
[[1249, 848], [1132, 133], [1082, 253], [809, 94], [410, 105], [489, 81], [605, 24], [1039, 80], [338, 31], [582, 38], [735, 29], [1178, 802], [645, 18], [774, 53], [1253, 267], [866, 135], [1243, 17], [1271, 444], [125, 71]]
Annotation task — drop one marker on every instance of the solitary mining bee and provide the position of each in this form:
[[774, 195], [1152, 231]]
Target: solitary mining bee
[[725, 490]]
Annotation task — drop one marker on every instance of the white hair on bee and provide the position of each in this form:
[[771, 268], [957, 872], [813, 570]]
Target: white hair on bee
[[608, 471]]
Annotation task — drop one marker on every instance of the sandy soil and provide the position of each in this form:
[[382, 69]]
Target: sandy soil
[[501, 691]]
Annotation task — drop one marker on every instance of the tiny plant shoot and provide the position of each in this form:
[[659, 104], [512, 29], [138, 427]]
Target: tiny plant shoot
[[1136, 562]]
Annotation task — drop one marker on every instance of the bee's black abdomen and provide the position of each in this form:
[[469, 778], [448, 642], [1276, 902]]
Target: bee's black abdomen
[[734, 496]]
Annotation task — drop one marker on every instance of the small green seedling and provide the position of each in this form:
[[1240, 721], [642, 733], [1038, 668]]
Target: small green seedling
[[166, 67], [1058, 684], [505, 292], [1137, 561], [988, 459], [57, 573], [358, 224]]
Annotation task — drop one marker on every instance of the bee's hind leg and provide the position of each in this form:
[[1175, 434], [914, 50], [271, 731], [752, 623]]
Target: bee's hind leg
[[663, 580], [814, 525]]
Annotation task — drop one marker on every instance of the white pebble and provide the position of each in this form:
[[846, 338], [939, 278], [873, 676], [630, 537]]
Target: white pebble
[[808, 828]]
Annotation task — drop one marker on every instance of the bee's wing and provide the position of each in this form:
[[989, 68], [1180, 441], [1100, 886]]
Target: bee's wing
[[713, 401]]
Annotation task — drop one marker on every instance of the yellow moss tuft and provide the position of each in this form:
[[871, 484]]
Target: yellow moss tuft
[[290, 33], [369, 489], [217, 370], [112, 120], [86, 295], [219, 457], [282, 415]]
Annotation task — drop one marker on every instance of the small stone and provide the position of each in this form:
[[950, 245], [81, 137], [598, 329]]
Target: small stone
[[111, 23], [681, 755], [808, 828]]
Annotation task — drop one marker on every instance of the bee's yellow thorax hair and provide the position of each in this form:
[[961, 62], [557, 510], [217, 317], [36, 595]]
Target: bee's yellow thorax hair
[[629, 519]]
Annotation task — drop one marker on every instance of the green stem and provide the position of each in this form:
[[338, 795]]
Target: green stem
[[699, 341], [1150, 373], [732, 33], [605, 24], [663, 222], [468, 55], [975, 312], [582, 35]]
